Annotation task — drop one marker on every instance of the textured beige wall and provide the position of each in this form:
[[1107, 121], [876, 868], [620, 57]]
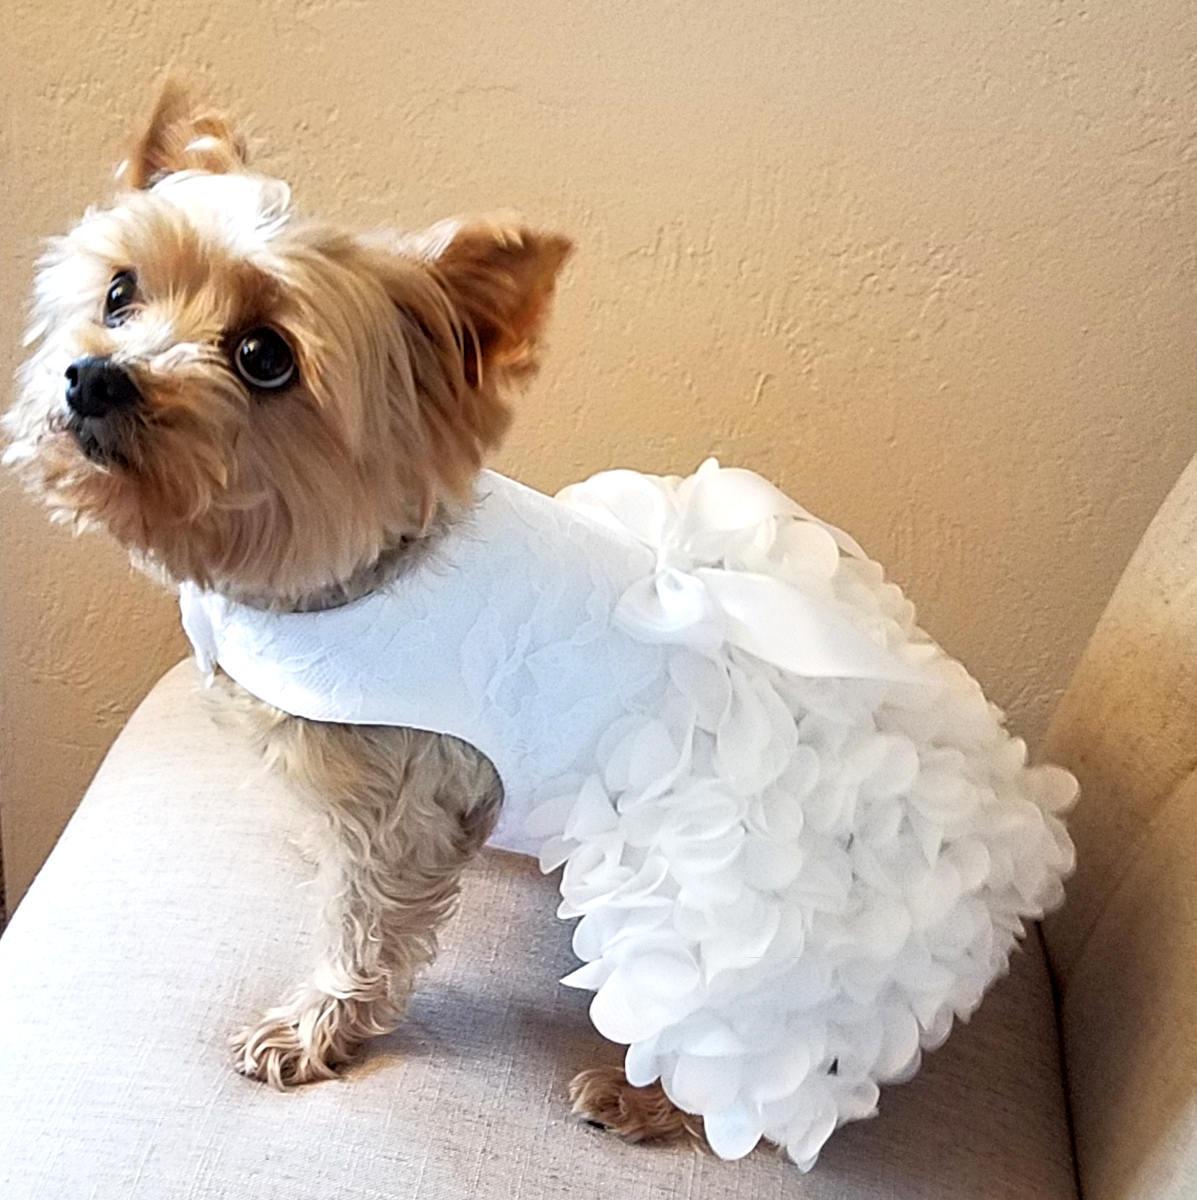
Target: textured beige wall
[[930, 266]]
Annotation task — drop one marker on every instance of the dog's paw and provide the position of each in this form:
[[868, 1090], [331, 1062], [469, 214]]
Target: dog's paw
[[602, 1096], [273, 1053], [294, 1044]]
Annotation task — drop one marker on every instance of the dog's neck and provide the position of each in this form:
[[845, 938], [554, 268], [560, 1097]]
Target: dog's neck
[[398, 557]]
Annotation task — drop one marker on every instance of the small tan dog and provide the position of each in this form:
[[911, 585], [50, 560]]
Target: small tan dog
[[291, 415]]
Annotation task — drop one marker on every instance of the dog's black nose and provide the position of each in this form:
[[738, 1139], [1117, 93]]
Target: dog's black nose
[[98, 386]]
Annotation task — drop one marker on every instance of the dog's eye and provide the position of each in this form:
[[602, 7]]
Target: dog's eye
[[120, 299], [264, 360]]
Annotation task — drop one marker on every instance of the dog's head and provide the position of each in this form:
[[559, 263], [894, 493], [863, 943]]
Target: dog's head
[[256, 402]]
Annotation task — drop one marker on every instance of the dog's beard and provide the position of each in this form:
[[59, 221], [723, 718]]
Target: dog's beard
[[109, 441], [103, 441]]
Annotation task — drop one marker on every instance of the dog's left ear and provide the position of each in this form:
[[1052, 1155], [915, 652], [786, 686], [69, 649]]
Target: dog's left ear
[[499, 276], [182, 134]]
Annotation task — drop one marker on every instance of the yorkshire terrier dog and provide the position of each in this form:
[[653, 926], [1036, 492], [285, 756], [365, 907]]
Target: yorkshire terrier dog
[[800, 841], [292, 414]]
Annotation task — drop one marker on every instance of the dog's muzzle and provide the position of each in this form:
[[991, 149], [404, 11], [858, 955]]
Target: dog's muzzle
[[97, 387], [102, 397]]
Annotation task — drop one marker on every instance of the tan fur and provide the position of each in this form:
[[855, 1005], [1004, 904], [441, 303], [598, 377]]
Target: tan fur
[[401, 812], [406, 345], [403, 355], [182, 134], [603, 1096]]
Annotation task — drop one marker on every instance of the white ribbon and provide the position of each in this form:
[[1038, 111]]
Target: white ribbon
[[690, 600], [197, 625]]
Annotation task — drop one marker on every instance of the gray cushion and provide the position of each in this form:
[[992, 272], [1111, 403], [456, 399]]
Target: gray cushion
[[1125, 945], [173, 909], [1130, 1020], [1127, 725]]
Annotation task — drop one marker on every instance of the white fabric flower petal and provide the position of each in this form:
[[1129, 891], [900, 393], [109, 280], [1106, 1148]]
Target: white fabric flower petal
[[804, 546], [726, 499], [626, 502], [733, 1132], [548, 818], [699, 1083], [555, 852], [642, 755], [644, 995], [780, 1074], [704, 681], [642, 1064], [808, 1133], [601, 930], [900, 1045], [706, 1035], [590, 977], [771, 865], [592, 813], [744, 938]]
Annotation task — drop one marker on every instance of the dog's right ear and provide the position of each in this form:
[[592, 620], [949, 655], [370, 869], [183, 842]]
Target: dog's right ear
[[183, 134], [499, 276]]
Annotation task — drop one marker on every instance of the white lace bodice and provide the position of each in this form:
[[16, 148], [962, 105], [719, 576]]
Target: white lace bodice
[[505, 640]]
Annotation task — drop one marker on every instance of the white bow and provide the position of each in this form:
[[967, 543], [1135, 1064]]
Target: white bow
[[694, 528]]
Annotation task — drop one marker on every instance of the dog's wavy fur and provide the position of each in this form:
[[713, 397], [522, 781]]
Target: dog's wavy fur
[[406, 347], [402, 812]]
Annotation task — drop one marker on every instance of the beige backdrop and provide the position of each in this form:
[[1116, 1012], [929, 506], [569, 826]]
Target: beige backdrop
[[928, 265]]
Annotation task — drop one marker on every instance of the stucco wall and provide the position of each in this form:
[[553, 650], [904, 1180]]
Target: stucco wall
[[929, 266]]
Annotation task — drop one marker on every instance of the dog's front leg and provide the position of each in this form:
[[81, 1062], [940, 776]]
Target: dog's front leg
[[403, 811]]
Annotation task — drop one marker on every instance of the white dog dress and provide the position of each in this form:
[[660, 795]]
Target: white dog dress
[[799, 839]]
